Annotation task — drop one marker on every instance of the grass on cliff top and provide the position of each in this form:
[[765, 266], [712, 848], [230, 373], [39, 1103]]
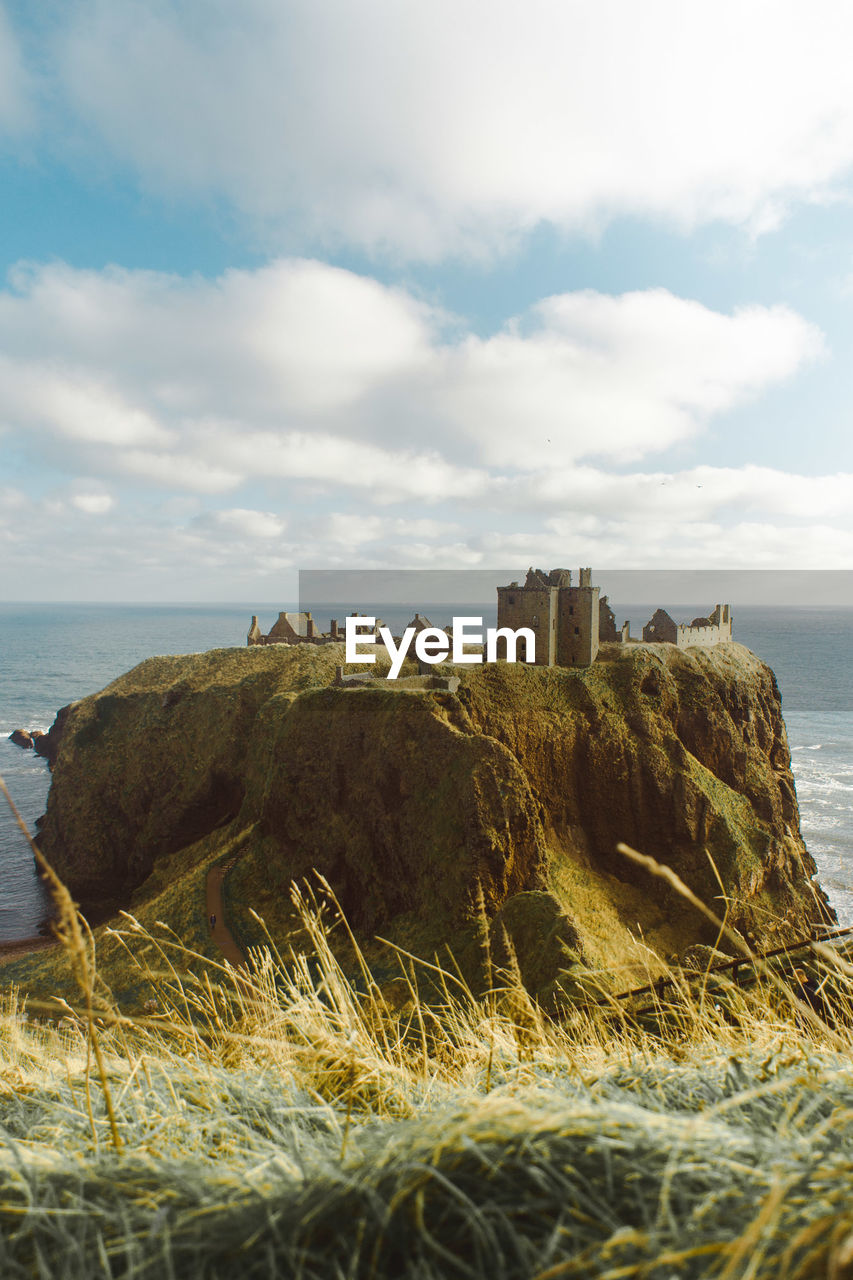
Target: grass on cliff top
[[284, 1122]]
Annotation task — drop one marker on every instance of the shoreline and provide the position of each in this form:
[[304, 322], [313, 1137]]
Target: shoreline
[[25, 946]]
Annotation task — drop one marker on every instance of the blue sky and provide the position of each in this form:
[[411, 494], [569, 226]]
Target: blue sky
[[465, 284]]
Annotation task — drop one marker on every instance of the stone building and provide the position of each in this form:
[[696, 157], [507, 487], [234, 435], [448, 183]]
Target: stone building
[[714, 629], [563, 618], [570, 622], [290, 628], [300, 628], [419, 623]]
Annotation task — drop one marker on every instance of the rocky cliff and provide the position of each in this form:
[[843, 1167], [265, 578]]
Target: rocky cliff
[[519, 786]]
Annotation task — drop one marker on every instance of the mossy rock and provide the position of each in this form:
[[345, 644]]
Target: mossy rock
[[533, 931]]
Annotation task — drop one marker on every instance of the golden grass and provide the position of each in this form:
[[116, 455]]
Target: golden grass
[[294, 1119]]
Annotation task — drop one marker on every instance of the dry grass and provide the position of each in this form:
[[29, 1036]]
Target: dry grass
[[293, 1120], [289, 1121]]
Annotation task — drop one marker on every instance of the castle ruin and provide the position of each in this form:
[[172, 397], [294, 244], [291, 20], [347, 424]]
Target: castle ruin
[[715, 628], [300, 628], [569, 622], [564, 619]]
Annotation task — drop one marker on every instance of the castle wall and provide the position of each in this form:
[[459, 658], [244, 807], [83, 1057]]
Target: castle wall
[[606, 622], [715, 629], [722, 617], [534, 607], [718, 630], [660, 628], [577, 625], [564, 619]]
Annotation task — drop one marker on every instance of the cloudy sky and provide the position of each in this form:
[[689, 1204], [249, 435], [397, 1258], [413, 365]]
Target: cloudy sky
[[368, 283]]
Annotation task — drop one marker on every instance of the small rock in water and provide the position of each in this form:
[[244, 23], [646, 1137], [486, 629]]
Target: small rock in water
[[21, 739]]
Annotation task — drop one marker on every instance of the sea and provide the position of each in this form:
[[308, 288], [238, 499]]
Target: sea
[[52, 654]]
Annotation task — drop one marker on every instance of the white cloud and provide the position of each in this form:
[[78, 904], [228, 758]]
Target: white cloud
[[73, 403], [12, 501], [454, 126], [182, 471], [358, 528], [387, 474], [616, 376], [314, 337], [248, 523], [149, 553], [673, 544], [331, 409], [94, 504], [303, 372], [699, 493]]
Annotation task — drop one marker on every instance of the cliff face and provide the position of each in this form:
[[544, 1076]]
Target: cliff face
[[519, 785]]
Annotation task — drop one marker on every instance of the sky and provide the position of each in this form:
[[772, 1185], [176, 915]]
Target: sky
[[302, 284]]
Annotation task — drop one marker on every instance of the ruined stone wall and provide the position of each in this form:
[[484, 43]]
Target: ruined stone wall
[[722, 617], [606, 622], [660, 628], [715, 629], [688, 636]]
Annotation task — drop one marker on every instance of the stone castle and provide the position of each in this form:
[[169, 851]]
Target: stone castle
[[564, 619], [570, 622]]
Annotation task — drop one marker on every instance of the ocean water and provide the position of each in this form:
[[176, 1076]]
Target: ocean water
[[52, 654], [811, 651]]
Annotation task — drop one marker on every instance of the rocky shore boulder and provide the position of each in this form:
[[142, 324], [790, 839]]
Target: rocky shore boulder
[[448, 819], [21, 739]]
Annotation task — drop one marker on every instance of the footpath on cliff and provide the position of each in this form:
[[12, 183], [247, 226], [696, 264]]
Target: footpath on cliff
[[215, 908]]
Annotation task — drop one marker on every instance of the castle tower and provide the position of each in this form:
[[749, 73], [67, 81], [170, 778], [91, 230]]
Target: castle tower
[[563, 618], [578, 616], [533, 605]]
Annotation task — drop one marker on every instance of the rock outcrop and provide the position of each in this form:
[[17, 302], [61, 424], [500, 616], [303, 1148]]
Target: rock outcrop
[[21, 738], [47, 744], [432, 813]]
